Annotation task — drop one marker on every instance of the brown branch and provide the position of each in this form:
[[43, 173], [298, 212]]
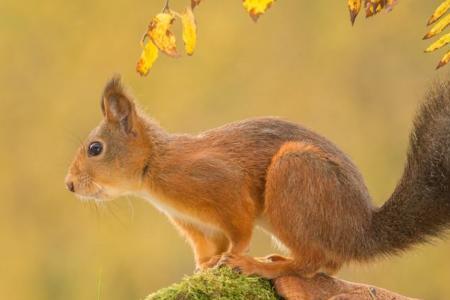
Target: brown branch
[[325, 287], [224, 283]]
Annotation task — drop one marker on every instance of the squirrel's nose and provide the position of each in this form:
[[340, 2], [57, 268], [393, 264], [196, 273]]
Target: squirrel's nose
[[70, 186]]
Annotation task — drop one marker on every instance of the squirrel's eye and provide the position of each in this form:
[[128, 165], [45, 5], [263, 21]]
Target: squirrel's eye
[[95, 148]]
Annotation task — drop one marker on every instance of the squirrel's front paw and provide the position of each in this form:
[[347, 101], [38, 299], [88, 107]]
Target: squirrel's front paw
[[239, 263], [211, 263]]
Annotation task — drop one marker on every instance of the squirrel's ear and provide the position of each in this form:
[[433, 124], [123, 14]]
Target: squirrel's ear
[[117, 106]]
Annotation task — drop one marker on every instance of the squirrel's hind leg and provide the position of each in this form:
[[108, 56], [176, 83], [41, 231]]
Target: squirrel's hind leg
[[311, 207]]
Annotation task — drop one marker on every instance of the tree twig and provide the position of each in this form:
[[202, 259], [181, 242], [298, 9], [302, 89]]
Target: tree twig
[[325, 287]]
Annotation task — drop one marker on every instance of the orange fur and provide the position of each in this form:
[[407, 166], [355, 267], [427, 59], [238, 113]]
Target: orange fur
[[216, 186], [212, 197]]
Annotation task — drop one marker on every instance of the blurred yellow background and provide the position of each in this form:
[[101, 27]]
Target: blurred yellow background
[[359, 86]]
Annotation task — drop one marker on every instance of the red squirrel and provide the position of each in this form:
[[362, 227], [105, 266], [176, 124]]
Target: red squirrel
[[295, 184]]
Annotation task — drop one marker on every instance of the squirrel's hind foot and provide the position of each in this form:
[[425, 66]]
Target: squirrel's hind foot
[[270, 267]]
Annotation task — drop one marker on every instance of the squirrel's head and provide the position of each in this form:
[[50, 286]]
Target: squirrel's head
[[110, 161]]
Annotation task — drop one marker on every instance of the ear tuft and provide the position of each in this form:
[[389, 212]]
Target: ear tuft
[[114, 86], [117, 106]]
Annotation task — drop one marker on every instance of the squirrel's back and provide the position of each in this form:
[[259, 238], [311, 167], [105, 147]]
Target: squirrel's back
[[253, 143]]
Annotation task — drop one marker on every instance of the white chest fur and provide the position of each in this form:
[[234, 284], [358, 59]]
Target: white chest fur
[[170, 211]]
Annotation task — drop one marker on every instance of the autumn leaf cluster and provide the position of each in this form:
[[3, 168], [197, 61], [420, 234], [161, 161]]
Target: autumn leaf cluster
[[371, 7], [159, 37], [439, 23]]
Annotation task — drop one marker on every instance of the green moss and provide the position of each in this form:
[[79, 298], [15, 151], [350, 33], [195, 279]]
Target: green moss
[[217, 284]]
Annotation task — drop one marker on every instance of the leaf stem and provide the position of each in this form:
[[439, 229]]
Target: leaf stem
[[166, 7]]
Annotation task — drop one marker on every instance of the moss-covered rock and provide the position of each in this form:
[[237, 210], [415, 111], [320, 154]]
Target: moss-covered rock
[[217, 284]]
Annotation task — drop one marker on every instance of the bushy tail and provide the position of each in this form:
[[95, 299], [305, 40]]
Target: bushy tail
[[419, 208]]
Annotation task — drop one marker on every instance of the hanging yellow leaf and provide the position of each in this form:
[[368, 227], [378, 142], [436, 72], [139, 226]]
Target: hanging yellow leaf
[[159, 32], [194, 3], [444, 60], [354, 6], [439, 27], [189, 30], [439, 12], [374, 6], [257, 7], [148, 56], [444, 40]]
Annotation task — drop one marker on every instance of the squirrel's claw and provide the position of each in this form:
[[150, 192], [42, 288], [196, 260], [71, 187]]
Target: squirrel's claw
[[239, 263]]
